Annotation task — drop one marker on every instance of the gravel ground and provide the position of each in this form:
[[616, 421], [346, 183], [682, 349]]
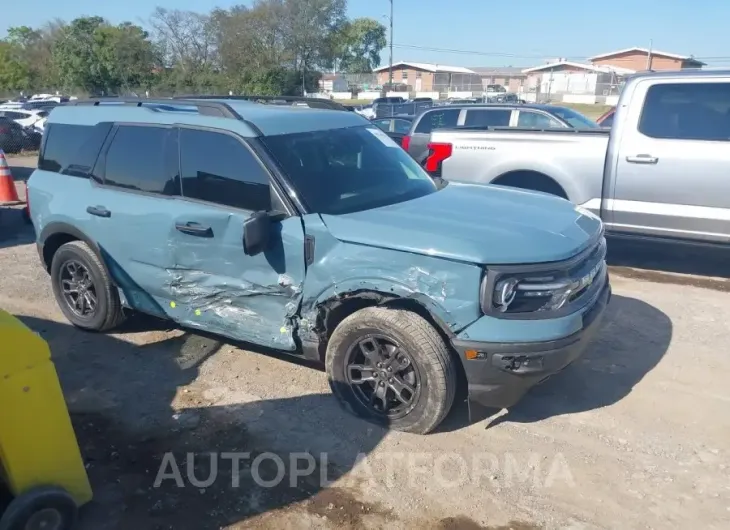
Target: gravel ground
[[636, 434]]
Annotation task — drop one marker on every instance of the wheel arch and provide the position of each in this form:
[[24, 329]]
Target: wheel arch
[[54, 235], [531, 180], [329, 313]]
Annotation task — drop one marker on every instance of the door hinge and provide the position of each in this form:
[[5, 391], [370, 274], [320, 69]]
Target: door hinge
[[308, 250]]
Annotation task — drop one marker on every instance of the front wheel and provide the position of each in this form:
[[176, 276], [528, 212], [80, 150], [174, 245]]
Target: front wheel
[[392, 367]]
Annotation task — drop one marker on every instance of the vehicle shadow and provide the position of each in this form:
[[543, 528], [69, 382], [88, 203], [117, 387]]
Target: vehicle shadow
[[21, 173], [14, 230], [666, 257], [633, 339], [132, 404]]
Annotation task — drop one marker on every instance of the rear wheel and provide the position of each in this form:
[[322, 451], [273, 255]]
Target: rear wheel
[[391, 367], [83, 289], [40, 509]]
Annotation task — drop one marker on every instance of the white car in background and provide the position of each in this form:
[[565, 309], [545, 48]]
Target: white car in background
[[26, 118]]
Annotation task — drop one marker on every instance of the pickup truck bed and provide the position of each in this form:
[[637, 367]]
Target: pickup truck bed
[[661, 171], [501, 154]]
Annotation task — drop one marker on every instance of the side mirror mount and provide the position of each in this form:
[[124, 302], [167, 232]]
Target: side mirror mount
[[257, 231]]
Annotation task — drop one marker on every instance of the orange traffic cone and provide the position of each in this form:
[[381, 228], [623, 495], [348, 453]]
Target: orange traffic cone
[[8, 193]]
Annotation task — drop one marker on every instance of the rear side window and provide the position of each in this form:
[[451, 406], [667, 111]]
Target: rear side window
[[61, 144], [487, 118], [437, 119], [218, 168], [137, 159]]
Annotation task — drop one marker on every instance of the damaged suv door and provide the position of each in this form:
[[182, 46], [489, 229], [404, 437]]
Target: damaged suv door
[[215, 285]]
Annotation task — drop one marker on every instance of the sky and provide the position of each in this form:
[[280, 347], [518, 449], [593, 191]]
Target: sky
[[478, 32]]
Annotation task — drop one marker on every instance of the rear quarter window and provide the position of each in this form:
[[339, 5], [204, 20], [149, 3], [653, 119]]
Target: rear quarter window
[[61, 144], [437, 119]]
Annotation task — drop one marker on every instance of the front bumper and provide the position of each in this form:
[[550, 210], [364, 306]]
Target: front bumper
[[503, 372]]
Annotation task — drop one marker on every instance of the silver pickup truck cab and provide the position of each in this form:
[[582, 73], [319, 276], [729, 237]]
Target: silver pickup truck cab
[[660, 172]]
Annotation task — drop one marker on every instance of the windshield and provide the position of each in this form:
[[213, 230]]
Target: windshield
[[348, 170], [574, 119]]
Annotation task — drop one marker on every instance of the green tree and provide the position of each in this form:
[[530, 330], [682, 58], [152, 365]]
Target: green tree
[[35, 50], [14, 73], [358, 44], [92, 55]]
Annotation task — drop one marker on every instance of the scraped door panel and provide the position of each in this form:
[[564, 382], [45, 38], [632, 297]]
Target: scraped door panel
[[215, 286]]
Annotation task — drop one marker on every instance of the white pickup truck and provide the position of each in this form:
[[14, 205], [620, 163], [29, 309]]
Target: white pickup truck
[[662, 171]]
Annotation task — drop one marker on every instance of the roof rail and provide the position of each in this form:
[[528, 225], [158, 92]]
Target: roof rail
[[315, 103], [205, 108]]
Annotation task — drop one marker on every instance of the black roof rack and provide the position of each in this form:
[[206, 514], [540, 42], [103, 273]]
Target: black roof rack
[[206, 108], [315, 103]]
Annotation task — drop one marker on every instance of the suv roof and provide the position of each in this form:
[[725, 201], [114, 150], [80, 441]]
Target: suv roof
[[245, 117]]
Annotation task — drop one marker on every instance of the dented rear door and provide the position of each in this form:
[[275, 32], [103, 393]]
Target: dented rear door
[[212, 284]]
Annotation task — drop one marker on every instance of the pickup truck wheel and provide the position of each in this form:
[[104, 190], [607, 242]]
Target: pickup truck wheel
[[83, 289], [391, 367]]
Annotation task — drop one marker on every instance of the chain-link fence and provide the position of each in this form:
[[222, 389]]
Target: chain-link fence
[[15, 138]]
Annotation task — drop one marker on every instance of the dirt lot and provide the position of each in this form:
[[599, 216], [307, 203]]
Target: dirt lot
[[634, 435]]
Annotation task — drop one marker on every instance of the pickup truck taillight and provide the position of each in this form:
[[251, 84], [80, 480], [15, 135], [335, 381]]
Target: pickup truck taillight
[[405, 143], [438, 152]]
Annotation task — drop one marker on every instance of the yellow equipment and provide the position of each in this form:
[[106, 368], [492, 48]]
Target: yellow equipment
[[40, 460]]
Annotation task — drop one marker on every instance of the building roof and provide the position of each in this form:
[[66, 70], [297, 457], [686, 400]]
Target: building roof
[[428, 67], [500, 70], [645, 51], [583, 66]]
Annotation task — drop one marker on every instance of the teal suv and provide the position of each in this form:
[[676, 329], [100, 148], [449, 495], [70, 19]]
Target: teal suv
[[312, 232]]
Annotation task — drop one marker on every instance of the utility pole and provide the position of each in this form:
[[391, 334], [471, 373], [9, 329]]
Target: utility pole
[[390, 71], [648, 55]]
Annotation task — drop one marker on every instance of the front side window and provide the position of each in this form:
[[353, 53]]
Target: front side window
[[687, 111], [537, 120], [575, 119], [348, 170], [487, 118], [401, 126], [137, 159], [216, 167], [383, 124]]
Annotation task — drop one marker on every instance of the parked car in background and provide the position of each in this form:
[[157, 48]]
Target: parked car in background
[[489, 115], [26, 118], [389, 99], [396, 127], [12, 137], [366, 111], [660, 172], [606, 119], [315, 234]]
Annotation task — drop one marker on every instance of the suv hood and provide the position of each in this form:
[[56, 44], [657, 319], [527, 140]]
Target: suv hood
[[474, 223]]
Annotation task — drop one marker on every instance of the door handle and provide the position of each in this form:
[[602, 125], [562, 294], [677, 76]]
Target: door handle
[[642, 159], [194, 229], [98, 211]]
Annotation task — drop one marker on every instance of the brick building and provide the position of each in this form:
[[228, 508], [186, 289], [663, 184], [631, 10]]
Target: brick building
[[510, 77], [638, 59], [426, 77]]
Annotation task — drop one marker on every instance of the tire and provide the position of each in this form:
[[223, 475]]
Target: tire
[[41, 508], [432, 364], [108, 312]]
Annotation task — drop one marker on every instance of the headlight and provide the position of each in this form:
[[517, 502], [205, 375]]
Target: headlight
[[511, 291], [504, 293], [526, 294]]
